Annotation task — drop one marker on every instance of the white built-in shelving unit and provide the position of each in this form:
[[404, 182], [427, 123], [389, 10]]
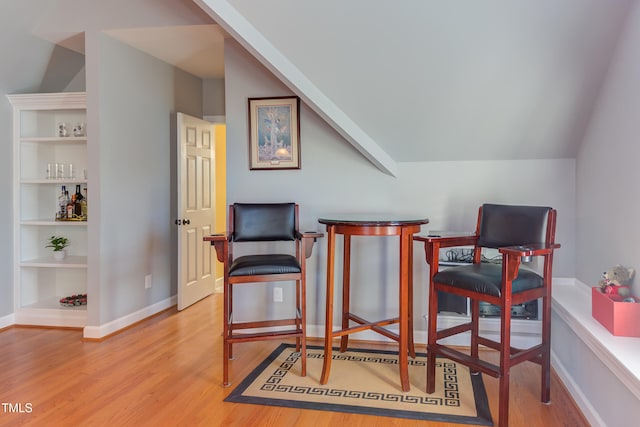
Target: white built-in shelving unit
[[40, 281]]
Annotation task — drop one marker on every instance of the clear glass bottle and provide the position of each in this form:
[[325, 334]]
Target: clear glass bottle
[[62, 204]]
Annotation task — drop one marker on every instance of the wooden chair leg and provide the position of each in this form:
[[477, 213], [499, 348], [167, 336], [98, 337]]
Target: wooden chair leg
[[303, 327], [346, 293], [226, 347], [432, 331], [505, 365], [229, 320], [503, 400], [412, 346], [475, 326], [299, 322], [545, 366]]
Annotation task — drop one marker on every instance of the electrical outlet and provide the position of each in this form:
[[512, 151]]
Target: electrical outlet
[[277, 295], [147, 281]]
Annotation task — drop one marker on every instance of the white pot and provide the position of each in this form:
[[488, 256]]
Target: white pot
[[59, 255]]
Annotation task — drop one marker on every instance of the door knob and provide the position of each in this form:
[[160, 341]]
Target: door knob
[[186, 221]]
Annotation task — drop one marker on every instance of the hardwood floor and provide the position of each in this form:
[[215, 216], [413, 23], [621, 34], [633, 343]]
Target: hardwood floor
[[167, 371]]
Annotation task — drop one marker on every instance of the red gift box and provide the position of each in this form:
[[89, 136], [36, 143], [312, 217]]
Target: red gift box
[[619, 317]]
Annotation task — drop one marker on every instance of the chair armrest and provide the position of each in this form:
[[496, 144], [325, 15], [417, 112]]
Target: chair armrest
[[446, 240], [434, 242], [308, 234], [221, 243], [514, 255], [308, 247], [529, 250]]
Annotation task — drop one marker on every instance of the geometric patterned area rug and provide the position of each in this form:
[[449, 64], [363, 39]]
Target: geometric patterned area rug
[[366, 382]]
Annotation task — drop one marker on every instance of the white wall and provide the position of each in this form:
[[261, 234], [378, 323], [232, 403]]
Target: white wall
[[607, 168], [132, 97], [213, 98], [607, 231], [28, 30], [335, 178]]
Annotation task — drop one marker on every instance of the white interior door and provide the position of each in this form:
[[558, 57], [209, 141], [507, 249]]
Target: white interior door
[[196, 208]]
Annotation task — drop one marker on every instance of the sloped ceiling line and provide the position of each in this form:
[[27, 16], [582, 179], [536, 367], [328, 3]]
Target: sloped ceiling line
[[251, 39]]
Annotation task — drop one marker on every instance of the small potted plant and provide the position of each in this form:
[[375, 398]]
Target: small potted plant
[[58, 243]]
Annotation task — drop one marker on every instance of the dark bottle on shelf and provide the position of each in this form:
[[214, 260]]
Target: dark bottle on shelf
[[77, 199]]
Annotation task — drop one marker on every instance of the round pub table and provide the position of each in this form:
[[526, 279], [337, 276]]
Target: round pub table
[[371, 225]]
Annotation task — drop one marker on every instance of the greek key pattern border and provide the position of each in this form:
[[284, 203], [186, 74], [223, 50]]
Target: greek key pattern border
[[451, 395]]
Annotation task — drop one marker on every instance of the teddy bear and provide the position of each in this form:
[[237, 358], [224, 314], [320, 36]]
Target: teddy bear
[[616, 280]]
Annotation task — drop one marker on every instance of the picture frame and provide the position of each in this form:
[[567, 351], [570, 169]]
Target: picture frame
[[274, 133]]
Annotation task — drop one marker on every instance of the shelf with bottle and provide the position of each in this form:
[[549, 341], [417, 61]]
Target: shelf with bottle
[[72, 208], [42, 204], [46, 222], [66, 181]]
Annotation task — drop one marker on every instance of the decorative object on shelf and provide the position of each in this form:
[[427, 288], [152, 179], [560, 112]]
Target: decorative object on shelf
[[72, 208], [613, 305], [78, 129], [58, 243], [618, 315], [274, 133], [617, 281], [62, 130], [60, 171], [74, 300]]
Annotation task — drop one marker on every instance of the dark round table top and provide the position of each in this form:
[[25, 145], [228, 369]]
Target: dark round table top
[[370, 219]]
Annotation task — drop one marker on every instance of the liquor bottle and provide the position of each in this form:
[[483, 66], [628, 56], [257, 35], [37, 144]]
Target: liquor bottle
[[62, 204], [70, 204], [67, 200], [77, 198], [83, 203]]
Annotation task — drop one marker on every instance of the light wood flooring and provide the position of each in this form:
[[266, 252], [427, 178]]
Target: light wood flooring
[[167, 371]]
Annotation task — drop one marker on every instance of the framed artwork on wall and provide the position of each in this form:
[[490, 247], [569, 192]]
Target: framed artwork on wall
[[274, 133]]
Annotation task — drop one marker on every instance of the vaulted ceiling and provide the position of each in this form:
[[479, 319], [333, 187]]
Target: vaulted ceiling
[[431, 80], [438, 80]]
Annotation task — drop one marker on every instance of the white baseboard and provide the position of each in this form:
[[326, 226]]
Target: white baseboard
[[585, 405], [219, 286], [97, 332], [7, 321]]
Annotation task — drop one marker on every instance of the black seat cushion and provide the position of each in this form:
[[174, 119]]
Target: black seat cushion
[[251, 265], [486, 278]]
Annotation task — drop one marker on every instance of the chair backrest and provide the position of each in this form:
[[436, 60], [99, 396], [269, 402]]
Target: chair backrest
[[254, 222], [506, 225]]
